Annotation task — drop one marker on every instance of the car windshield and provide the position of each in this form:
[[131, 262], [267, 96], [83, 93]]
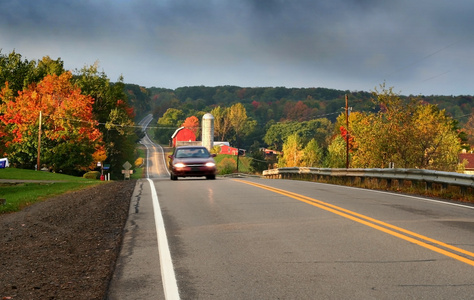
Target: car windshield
[[192, 152]]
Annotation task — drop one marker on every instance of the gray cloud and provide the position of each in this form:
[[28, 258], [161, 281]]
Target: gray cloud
[[416, 46]]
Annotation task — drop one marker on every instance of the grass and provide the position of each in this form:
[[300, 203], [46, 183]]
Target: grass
[[244, 163], [22, 174], [22, 194], [138, 171]]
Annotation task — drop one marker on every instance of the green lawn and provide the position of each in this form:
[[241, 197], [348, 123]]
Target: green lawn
[[21, 194], [13, 173]]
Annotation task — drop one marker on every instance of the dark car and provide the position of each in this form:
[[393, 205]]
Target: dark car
[[192, 161]]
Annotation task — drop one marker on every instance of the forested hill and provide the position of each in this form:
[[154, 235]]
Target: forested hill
[[265, 104]]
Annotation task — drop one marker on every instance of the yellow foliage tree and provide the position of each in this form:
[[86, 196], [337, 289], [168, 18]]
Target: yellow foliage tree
[[405, 132]]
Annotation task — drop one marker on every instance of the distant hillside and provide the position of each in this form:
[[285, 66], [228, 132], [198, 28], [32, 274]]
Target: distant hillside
[[267, 104]]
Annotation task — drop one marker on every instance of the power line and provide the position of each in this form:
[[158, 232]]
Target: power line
[[421, 59]]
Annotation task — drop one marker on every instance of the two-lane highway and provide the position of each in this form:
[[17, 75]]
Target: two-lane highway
[[282, 239]]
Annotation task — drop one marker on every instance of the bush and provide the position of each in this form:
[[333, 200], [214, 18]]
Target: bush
[[138, 162], [216, 149], [226, 166], [92, 175]]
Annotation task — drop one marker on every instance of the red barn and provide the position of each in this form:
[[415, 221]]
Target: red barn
[[228, 150], [183, 134], [469, 159]]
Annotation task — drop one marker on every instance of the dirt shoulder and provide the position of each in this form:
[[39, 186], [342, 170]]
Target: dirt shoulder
[[65, 247]]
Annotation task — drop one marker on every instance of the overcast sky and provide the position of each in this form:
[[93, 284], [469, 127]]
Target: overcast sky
[[416, 46]]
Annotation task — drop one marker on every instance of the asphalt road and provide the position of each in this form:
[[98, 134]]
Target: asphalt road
[[282, 239]]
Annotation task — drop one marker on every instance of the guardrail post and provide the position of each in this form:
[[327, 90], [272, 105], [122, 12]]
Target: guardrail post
[[463, 191], [429, 185]]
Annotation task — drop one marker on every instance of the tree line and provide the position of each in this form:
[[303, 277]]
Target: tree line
[[88, 118], [308, 125], [85, 117]]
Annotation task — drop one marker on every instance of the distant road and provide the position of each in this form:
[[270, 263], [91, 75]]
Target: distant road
[[284, 239]]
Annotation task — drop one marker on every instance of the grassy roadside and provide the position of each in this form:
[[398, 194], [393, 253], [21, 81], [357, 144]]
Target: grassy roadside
[[22, 174], [21, 194], [138, 171], [227, 164]]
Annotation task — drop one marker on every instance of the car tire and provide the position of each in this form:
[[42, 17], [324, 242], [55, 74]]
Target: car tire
[[173, 177], [211, 177]]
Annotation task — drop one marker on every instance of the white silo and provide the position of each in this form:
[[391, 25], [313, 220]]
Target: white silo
[[208, 131]]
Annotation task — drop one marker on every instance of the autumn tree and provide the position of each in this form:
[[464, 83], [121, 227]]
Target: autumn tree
[[336, 157], [406, 132], [292, 152], [192, 123], [114, 114], [69, 132], [238, 118], [222, 125], [312, 154], [469, 129], [319, 129], [436, 143], [298, 111]]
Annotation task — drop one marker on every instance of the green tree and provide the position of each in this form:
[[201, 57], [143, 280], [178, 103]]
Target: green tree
[[312, 154], [20, 73], [336, 157], [257, 159], [319, 129], [114, 114], [168, 123], [17, 72], [292, 152]]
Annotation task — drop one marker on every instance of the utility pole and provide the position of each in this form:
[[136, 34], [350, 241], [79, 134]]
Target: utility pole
[[39, 144], [347, 132]]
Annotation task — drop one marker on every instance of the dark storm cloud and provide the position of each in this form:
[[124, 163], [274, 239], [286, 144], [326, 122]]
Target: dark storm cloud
[[419, 46]]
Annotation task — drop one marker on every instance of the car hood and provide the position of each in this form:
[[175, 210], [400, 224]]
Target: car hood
[[193, 160]]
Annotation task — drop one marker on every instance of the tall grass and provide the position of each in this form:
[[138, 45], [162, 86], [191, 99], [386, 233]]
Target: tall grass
[[227, 164]]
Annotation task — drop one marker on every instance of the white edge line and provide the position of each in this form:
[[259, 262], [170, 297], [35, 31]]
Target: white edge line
[[168, 276], [170, 285]]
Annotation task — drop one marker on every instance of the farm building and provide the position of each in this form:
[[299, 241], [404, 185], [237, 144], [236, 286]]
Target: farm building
[[468, 158], [183, 136]]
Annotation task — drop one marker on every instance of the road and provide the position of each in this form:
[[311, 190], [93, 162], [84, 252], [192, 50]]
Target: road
[[282, 239]]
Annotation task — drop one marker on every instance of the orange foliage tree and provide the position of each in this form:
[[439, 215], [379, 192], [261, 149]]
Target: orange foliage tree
[[69, 133], [192, 123]]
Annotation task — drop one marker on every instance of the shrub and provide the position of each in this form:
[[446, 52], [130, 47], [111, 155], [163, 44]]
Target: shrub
[[138, 162], [226, 166], [92, 175], [216, 149]]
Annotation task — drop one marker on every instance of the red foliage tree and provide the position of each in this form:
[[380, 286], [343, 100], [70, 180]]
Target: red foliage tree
[[298, 111], [70, 135], [192, 123]]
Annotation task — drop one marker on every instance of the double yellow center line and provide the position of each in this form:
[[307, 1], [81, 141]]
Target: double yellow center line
[[418, 239]]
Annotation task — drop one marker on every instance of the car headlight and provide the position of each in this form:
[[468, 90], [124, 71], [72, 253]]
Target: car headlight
[[179, 165], [210, 164]]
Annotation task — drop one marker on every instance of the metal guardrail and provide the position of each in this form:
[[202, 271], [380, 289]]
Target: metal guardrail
[[421, 175]]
